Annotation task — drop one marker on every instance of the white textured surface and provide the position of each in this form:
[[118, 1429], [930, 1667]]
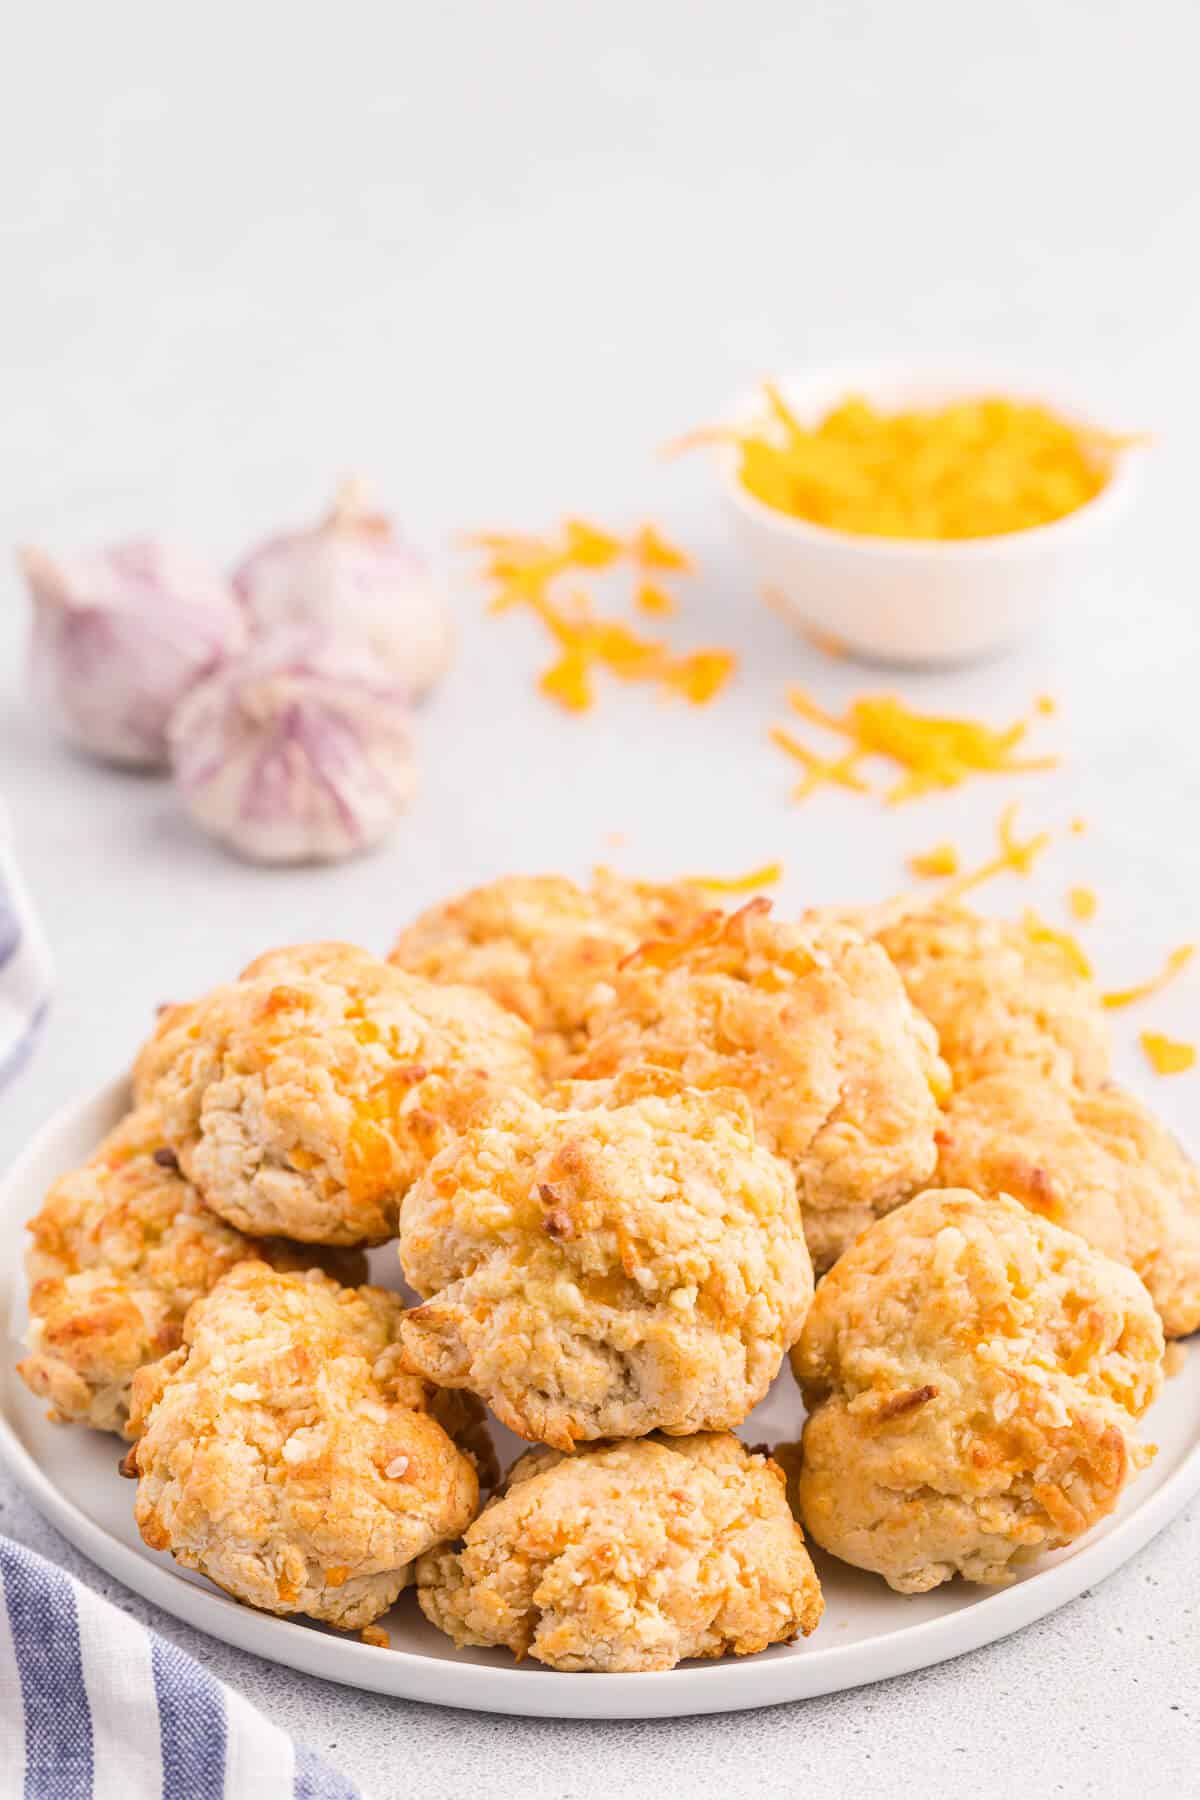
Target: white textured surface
[[493, 256]]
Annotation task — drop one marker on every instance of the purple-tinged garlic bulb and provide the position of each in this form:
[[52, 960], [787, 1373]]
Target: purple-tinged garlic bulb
[[297, 751], [353, 575], [119, 636]]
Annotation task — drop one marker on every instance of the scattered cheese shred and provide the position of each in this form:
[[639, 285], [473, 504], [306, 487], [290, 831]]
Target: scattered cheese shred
[[650, 550], [933, 752], [977, 468], [654, 599], [1047, 705], [527, 571], [1078, 827], [932, 865], [523, 582], [767, 876], [1082, 902], [700, 676], [1178, 959], [1167, 1056], [1014, 856], [712, 929], [502, 543], [569, 681], [589, 547], [838, 773], [1038, 931]]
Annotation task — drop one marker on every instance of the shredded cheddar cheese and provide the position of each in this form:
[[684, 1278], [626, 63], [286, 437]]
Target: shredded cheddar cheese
[[981, 467], [1015, 856], [1167, 1056], [650, 550], [839, 772], [569, 682], [1178, 959], [767, 876], [1083, 903], [932, 752], [933, 865], [528, 571], [589, 547], [700, 676], [654, 599], [1038, 931]]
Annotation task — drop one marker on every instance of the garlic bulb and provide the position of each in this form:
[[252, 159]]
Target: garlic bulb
[[119, 635], [297, 751], [352, 574]]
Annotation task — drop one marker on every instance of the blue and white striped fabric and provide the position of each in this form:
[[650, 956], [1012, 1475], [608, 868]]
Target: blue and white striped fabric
[[24, 968], [95, 1707]]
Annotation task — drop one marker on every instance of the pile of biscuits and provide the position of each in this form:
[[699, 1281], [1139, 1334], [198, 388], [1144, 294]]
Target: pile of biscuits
[[637, 1150]]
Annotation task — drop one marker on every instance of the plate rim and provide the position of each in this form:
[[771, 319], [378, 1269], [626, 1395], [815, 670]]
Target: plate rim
[[714, 1687]]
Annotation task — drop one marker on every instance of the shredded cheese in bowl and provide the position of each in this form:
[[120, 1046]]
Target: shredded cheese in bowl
[[980, 467], [922, 515]]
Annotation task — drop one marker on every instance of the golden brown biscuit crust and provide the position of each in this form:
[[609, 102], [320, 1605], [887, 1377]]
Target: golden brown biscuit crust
[[1095, 1161], [633, 1262], [812, 1024], [973, 1373], [998, 995], [629, 1556], [306, 1097], [287, 1453], [543, 947], [120, 1249]]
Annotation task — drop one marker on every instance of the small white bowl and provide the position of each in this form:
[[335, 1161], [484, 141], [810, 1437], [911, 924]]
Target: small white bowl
[[915, 600]]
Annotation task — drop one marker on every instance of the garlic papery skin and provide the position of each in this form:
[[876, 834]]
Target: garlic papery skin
[[119, 635], [353, 575], [298, 751]]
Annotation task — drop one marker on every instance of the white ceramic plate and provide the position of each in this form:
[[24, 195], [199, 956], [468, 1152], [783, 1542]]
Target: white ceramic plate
[[867, 1632]]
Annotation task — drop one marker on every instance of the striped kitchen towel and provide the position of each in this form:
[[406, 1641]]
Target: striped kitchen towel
[[24, 967], [95, 1707]]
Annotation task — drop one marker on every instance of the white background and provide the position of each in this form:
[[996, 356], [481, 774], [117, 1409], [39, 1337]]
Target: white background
[[492, 256]]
